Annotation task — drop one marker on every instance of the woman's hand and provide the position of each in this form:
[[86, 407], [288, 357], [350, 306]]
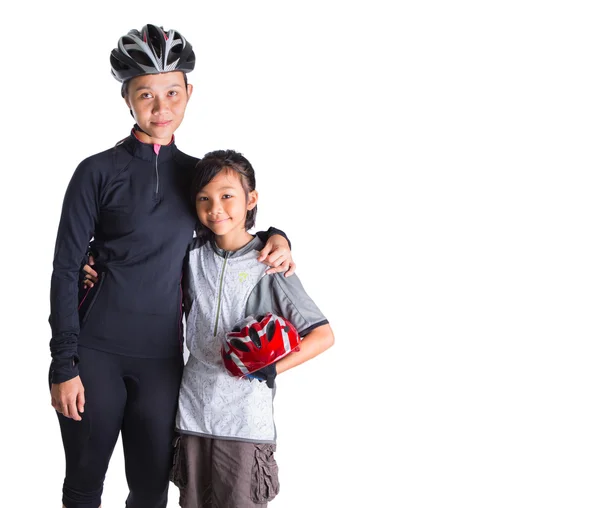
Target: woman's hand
[[277, 254], [68, 398], [91, 276]]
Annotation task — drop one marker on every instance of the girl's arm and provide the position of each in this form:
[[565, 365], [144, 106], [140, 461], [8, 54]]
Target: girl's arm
[[317, 341]]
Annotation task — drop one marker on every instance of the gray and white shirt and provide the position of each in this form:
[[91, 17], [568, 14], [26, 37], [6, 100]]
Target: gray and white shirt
[[222, 288]]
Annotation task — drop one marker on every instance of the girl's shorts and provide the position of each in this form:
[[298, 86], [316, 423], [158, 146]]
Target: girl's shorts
[[224, 473]]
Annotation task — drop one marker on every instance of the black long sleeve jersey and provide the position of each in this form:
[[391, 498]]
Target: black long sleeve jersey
[[133, 200]]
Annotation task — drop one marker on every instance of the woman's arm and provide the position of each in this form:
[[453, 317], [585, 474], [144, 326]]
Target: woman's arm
[[76, 228], [276, 253]]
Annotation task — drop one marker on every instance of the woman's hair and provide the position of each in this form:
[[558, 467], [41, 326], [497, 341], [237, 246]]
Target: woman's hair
[[210, 166]]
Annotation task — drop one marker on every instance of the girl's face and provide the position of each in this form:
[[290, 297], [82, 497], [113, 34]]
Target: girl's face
[[158, 103], [221, 205]]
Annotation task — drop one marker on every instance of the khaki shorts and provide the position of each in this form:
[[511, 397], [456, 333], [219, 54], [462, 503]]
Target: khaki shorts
[[219, 473]]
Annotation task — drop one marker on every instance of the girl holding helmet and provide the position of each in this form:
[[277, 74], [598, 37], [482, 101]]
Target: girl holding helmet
[[225, 452], [117, 349]]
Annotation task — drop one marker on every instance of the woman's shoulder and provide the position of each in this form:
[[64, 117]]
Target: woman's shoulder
[[106, 159], [184, 159]]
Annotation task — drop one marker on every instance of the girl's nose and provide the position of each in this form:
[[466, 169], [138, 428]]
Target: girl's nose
[[215, 208]]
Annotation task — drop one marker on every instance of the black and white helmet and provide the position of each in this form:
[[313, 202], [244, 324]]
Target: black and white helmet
[[151, 51]]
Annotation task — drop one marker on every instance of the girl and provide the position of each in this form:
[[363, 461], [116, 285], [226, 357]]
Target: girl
[[124, 344], [225, 453]]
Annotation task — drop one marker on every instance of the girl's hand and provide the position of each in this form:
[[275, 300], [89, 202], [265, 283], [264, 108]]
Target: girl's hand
[[277, 254]]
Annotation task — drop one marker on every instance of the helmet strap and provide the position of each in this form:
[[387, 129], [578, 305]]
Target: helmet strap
[[137, 127]]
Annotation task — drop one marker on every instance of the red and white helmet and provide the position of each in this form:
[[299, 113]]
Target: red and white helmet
[[255, 343]]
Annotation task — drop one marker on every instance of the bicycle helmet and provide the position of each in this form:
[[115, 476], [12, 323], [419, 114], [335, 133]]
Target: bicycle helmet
[[257, 342], [151, 51]]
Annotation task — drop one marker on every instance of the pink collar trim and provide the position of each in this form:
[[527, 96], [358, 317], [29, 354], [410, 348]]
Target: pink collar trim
[[156, 145]]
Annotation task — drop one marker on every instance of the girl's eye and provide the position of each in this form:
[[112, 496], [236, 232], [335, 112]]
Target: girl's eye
[[172, 93], [202, 198], [227, 196], [146, 95]]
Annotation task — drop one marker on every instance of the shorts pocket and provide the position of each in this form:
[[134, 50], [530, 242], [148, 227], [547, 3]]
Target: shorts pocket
[[178, 473], [265, 474]]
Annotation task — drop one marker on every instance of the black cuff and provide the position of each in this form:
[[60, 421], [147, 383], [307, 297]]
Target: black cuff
[[64, 369], [265, 235]]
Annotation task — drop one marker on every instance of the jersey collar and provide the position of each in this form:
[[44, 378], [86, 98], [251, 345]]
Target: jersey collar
[[149, 151]]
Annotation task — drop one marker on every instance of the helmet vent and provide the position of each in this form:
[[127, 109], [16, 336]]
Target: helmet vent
[[254, 337], [238, 344], [270, 331]]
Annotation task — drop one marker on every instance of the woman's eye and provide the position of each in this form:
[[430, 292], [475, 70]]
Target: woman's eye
[[172, 93], [146, 95], [227, 196]]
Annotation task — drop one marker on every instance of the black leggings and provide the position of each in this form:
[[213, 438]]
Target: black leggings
[[134, 396]]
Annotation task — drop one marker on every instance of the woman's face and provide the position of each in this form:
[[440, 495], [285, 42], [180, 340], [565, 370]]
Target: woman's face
[[158, 103]]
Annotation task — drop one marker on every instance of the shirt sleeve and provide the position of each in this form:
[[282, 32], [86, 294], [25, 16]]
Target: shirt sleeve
[[265, 235], [79, 216], [286, 297]]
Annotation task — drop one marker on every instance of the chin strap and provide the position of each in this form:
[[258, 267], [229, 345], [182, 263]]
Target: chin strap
[[138, 128]]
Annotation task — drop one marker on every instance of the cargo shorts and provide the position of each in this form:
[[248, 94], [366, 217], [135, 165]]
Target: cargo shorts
[[220, 473]]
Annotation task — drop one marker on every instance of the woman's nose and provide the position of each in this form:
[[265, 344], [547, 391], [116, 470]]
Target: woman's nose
[[160, 105]]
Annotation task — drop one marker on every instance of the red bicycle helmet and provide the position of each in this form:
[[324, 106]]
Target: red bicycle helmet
[[257, 342]]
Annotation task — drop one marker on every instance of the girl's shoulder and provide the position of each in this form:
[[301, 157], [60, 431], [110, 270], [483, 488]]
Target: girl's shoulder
[[198, 243]]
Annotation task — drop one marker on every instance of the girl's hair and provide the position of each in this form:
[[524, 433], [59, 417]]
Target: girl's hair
[[210, 166]]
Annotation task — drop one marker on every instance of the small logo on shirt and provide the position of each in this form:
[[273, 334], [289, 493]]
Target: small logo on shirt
[[243, 276]]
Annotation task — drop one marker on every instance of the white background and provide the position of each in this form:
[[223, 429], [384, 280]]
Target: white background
[[436, 167]]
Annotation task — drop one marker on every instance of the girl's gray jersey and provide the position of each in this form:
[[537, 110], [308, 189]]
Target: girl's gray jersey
[[222, 288]]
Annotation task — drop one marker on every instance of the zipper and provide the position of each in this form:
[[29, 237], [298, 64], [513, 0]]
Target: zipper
[[156, 150], [94, 298], [220, 292], [181, 313]]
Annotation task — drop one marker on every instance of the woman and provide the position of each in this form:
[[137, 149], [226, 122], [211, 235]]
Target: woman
[[117, 349]]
